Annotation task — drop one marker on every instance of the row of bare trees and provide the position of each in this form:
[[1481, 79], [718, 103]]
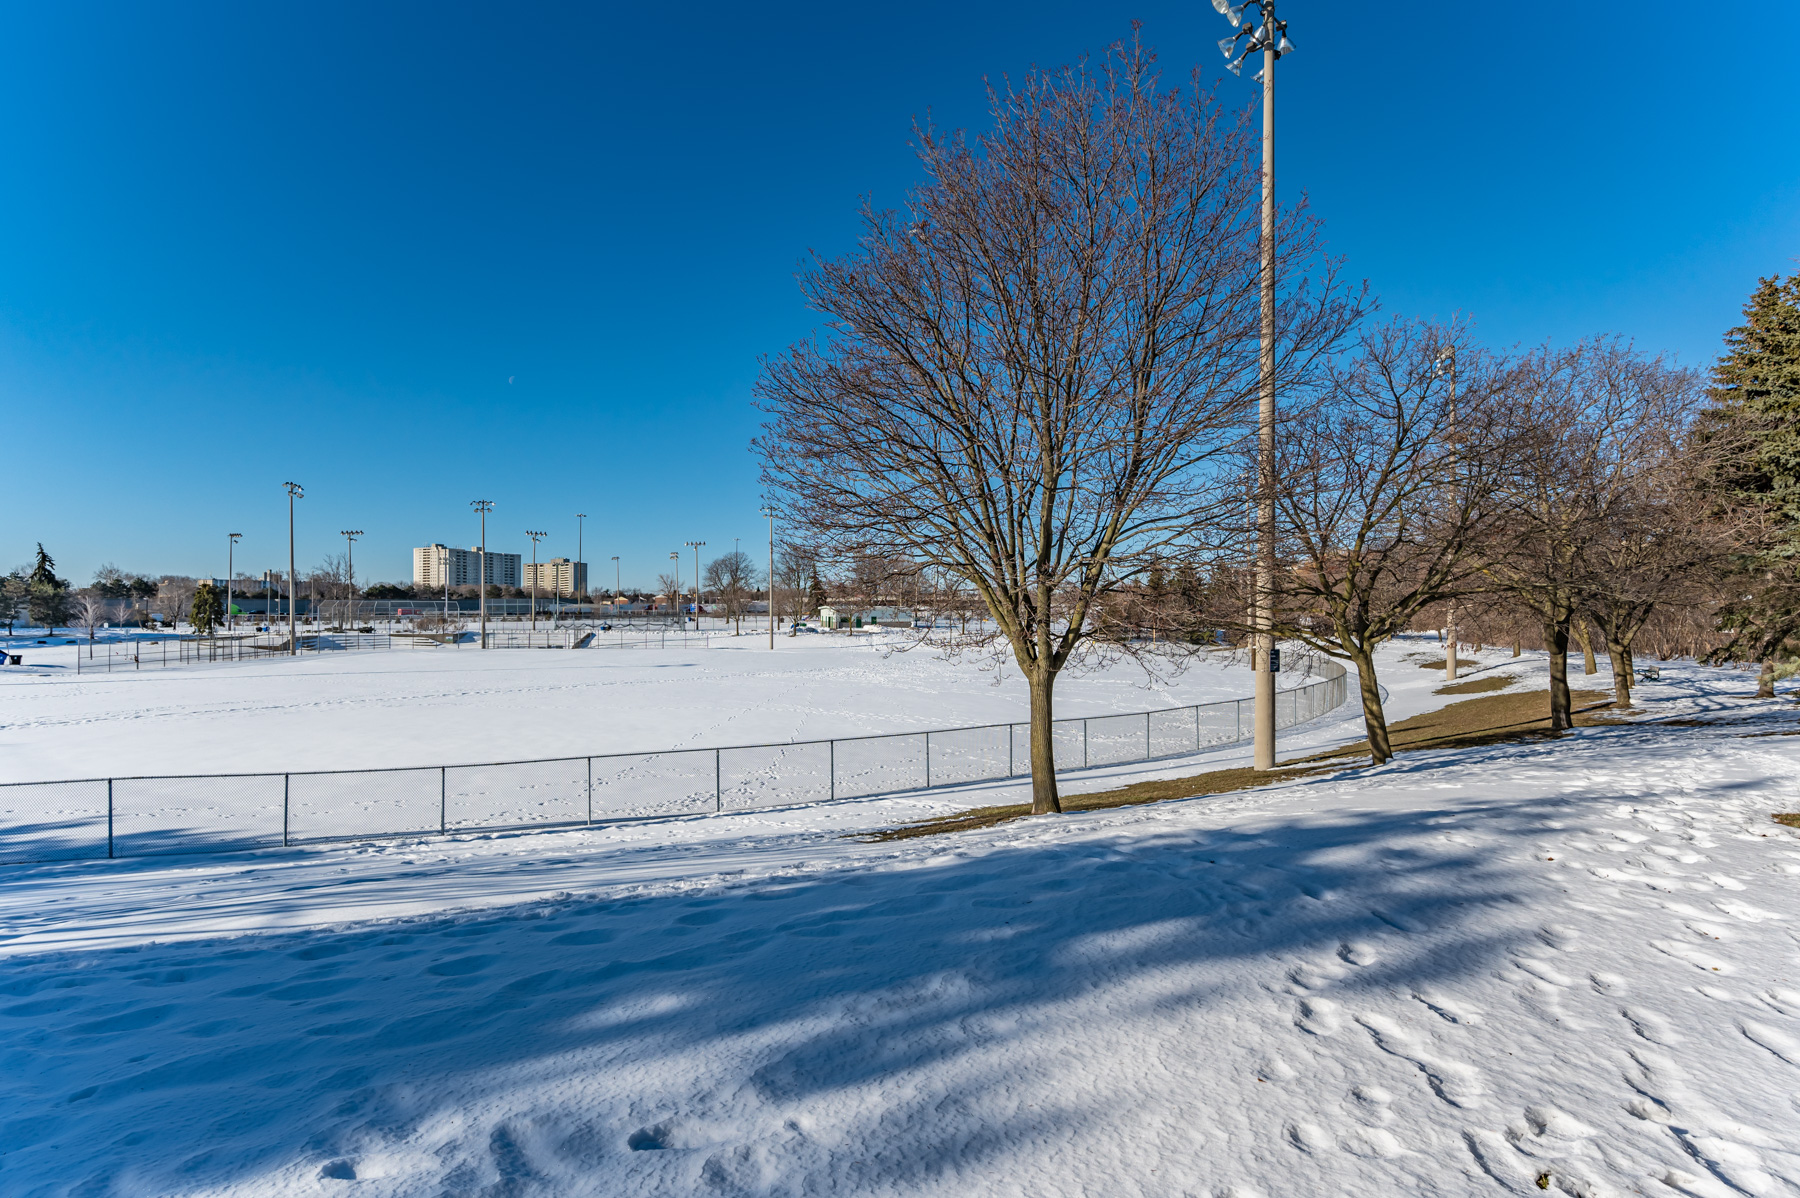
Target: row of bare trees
[[1035, 386]]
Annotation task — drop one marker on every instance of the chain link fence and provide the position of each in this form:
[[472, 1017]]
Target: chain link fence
[[133, 817], [107, 657]]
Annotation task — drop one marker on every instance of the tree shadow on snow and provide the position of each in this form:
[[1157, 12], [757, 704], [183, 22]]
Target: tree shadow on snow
[[896, 995]]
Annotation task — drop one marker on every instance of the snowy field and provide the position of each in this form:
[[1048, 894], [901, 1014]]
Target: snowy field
[[414, 707], [1567, 966]]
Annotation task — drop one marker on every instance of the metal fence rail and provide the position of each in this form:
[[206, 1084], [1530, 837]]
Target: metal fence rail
[[128, 817], [106, 657]]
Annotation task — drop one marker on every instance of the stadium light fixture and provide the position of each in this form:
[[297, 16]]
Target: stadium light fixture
[[294, 491], [769, 511], [350, 535], [535, 538], [617, 583], [695, 546], [483, 506], [230, 552], [1265, 34]]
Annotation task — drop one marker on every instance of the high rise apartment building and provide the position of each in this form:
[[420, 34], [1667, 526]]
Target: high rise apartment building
[[437, 566], [558, 576]]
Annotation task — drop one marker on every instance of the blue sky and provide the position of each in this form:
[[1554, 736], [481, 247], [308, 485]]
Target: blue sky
[[412, 255]]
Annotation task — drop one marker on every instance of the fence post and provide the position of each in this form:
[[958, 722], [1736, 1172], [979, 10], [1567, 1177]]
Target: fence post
[[832, 768], [590, 790], [718, 789], [1010, 729], [285, 779], [1196, 727], [109, 819], [1084, 745], [928, 760], [1146, 736], [443, 799]]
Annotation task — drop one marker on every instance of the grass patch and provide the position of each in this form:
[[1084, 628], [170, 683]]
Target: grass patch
[[1444, 661], [1473, 722], [1475, 686], [1790, 818]]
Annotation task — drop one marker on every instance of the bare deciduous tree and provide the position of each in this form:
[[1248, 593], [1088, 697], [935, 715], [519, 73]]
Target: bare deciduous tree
[[1582, 427], [1380, 494], [1032, 377]]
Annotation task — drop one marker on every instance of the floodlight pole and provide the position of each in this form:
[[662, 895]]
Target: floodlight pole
[[580, 560], [230, 551], [294, 491], [1265, 436], [535, 538], [1448, 357], [695, 545], [350, 535], [675, 599], [616, 583], [770, 513], [484, 506], [1270, 37]]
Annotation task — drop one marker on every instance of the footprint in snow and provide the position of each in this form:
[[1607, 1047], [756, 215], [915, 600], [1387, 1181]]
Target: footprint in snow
[[1780, 1043], [1456, 1082], [1651, 1026], [1319, 1016], [1358, 952]]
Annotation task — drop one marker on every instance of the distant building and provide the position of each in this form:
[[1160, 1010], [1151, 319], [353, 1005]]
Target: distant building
[[840, 617], [437, 566], [558, 576]]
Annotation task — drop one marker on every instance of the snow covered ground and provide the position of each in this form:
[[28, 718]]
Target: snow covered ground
[[410, 707], [1570, 965]]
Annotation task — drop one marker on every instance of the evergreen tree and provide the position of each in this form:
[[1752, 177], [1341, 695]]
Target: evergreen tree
[[1757, 416], [816, 596], [208, 611], [47, 599]]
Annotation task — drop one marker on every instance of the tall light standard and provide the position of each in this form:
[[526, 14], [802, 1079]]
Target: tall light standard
[[617, 584], [444, 568], [580, 560], [695, 546], [350, 535], [1270, 37], [295, 491], [675, 599], [769, 511], [535, 538], [484, 506], [1446, 364], [230, 552]]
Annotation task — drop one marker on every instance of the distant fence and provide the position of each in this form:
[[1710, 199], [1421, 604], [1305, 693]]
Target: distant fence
[[130, 817], [106, 657]]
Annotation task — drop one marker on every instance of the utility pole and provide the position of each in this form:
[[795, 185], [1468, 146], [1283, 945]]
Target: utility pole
[[695, 545], [535, 538], [616, 583], [350, 535], [230, 552], [295, 491], [1270, 37], [769, 511], [675, 599], [580, 560], [1447, 363], [484, 506], [444, 567]]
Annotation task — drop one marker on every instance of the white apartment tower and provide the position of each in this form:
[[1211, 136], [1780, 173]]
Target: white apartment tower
[[435, 566], [558, 576]]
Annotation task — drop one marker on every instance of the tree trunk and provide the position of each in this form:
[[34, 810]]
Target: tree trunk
[[1588, 665], [1765, 682], [1556, 636], [1620, 659], [1374, 718], [1043, 746], [1518, 646]]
